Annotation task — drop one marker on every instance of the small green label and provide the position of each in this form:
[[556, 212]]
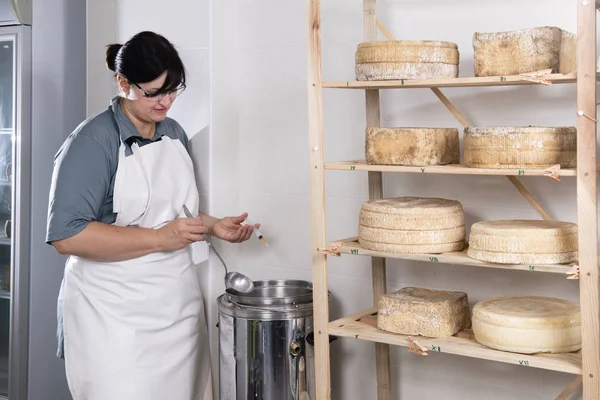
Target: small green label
[[354, 251], [524, 363], [353, 168], [423, 170], [521, 172], [502, 79], [532, 267], [435, 348], [433, 259], [402, 82]]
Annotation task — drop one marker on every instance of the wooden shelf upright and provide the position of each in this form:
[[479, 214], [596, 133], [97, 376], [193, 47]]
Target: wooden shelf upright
[[584, 364]]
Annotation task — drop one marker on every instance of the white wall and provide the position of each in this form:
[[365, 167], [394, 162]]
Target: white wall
[[58, 106], [260, 111]]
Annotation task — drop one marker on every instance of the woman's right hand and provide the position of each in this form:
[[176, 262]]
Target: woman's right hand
[[180, 233]]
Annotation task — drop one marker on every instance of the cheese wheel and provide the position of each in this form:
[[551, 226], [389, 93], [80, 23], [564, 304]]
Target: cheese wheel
[[401, 236], [412, 146], [425, 312], [413, 206], [406, 59], [528, 325], [520, 147], [521, 51], [412, 248], [412, 225], [411, 222], [523, 242]]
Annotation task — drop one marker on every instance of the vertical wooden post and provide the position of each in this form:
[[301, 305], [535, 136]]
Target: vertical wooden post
[[587, 217], [317, 200], [382, 351]]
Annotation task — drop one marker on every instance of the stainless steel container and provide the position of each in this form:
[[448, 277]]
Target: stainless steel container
[[264, 336]]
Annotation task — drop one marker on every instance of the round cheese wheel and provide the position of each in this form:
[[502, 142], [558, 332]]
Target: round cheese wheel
[[401, 236], [520, 147], [412, 213], [528, 324], [406, 59], [523, 242], [412, 248], [413, 206]]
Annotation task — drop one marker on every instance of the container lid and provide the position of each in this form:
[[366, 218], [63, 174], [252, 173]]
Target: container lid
[[274, 292]]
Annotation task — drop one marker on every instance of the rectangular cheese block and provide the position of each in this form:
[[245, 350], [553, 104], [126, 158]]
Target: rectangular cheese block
[[522, 51], [412, 146], [424, 312]]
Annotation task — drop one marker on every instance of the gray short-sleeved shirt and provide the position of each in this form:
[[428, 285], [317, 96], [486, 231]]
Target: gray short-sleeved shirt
[[85, 167]]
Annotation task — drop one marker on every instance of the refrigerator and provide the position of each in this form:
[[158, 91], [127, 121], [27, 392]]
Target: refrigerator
[[15, 171]]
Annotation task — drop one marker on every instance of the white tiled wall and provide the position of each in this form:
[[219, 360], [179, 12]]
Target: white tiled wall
[[260, 165]]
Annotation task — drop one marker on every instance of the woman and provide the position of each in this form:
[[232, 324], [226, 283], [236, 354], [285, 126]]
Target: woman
[[130, 304]]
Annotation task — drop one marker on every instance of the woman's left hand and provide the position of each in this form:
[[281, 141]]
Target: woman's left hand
[[232, 230]]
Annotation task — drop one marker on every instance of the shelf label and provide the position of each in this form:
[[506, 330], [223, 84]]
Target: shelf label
[[532, 267], [502, 79], [402, 82], [524, 363], [433, 259], [354, 251], [353, 168], [521, 172], [435, 348], [423, 170]]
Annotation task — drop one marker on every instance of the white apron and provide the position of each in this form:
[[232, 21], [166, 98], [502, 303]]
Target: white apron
[[136, 329]]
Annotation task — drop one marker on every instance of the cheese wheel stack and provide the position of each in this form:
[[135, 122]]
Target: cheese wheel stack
[[412, 225], [406, 59], [418, 311], [526, 147], [528, 324], [523, 242], [412, 146], [524, 50]]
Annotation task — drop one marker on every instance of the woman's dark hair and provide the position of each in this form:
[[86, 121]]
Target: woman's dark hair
[[145, 57]]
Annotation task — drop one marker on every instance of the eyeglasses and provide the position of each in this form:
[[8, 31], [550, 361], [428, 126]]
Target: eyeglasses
[[158, 97]]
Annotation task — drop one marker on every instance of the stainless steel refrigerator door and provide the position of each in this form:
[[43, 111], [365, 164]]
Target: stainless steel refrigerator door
[[15, 189]]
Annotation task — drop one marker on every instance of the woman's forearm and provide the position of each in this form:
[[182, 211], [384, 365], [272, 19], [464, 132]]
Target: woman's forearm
[[104, 242], [209, 222]]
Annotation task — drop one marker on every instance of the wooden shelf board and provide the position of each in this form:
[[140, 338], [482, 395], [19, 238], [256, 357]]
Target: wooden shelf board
[[512, 80], [363, 326], [456, 169], [352, 247]]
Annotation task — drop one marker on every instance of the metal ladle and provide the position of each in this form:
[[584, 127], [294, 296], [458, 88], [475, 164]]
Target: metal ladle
[[233, 280]]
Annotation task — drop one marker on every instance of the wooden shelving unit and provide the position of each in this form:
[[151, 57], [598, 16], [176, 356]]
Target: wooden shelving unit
[[584, 364]]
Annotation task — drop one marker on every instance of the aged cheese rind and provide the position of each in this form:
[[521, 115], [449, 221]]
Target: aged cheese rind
[[424, 312], [568, 53], [396, 71], [412, 146], [520, 147], [405, 59], [521, 51], [411, 222], [524, 236], [408, 51], [523, 242], [401, 236], [412, 248], [522, 258], [412, 225], [414, 206], [528, 324]]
